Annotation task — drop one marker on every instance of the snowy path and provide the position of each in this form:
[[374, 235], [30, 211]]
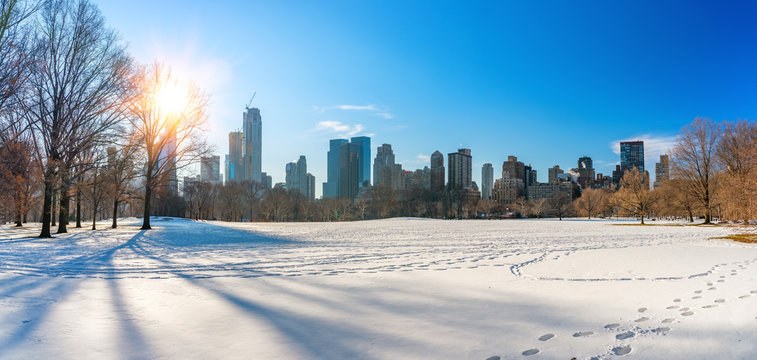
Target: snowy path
[[388, 289]]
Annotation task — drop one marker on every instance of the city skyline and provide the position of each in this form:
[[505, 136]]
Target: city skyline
[[324, 71]]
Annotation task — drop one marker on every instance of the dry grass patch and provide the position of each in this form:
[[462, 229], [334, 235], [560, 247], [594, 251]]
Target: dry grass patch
[[742, 238]]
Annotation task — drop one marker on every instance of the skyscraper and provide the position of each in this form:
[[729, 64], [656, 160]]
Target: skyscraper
[[385, 171], [234, 166], [253, 144], [331, 186], [437, 171], [290, 177], [364, 144], [460, 169], [209, 169], [487, 181], [349, 170], [631, 156], [302, 175], [310, 188], [662, 170], [585, 172]]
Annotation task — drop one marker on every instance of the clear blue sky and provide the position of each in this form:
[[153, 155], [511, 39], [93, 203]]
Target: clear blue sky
[[545, 81]]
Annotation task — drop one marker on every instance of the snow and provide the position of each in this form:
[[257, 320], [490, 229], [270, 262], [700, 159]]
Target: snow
[[384, 289]]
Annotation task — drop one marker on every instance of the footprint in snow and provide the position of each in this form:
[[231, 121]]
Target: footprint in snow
[[672, 307], [698, 292], [709, 284], [583, 333], [709, 306], [696, 297], [496, 357], [546, 337], [625, 335], [641, 319], [530, 352], [753, 291], [668, 320], [621, 350], [611, 326], [684, 309], [687, 313], [744, 296], [661, 329], [719, 300], [676, 300], [712, 288], [642, 309], [721, 280]]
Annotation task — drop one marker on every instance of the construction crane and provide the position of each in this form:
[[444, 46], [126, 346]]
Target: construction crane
[[250, 103]]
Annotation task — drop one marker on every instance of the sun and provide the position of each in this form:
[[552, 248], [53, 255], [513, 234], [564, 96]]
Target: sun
[[171, 97]]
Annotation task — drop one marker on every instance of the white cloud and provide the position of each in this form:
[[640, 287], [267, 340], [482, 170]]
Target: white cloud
[[374, 110], [342, 129], [654, 146]]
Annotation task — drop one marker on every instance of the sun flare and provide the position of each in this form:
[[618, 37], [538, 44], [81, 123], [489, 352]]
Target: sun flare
[[171, 97]]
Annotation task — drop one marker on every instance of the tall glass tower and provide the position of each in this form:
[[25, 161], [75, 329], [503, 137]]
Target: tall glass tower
[[364, 144]]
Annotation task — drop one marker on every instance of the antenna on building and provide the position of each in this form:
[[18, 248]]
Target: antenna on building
[[250, 103]]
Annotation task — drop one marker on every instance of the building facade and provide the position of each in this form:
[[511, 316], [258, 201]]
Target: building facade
[[331, 186], [210, 169], [364, 146], [437, 172], [460, 170], [349, 170], [553, 173], [631, 156], [662, 171], [487, 181], [253, 144]]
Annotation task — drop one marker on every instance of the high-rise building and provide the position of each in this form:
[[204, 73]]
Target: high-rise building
[[437, 171], [460, 170], [331, 186], [553, 173], [585, 172], [514, 169], [349, 170], [487, 181], [253, 144], [364, 144], [662, 170], [385, 171], [302, 175], [267, 180], [631, 156], [210, 169], [310, 188], [234, 166], [290, 177]]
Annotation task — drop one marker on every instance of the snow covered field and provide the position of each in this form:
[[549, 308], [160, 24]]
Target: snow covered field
[[385, 289]]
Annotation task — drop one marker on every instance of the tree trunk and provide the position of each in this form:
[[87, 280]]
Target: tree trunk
[[148, 195], [115, 213], [18, 217], [47, 210], [63, 211], [642, 219], [78, 208], [53, 209]]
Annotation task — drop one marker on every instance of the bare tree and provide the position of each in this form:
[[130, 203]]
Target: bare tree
[[694, 161], [634, 195], [737, 155], [120, 172], [169, 117], [78, 90], [561, 204]]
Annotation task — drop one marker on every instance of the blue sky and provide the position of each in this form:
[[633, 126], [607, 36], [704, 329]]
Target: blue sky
[[545, 81]]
